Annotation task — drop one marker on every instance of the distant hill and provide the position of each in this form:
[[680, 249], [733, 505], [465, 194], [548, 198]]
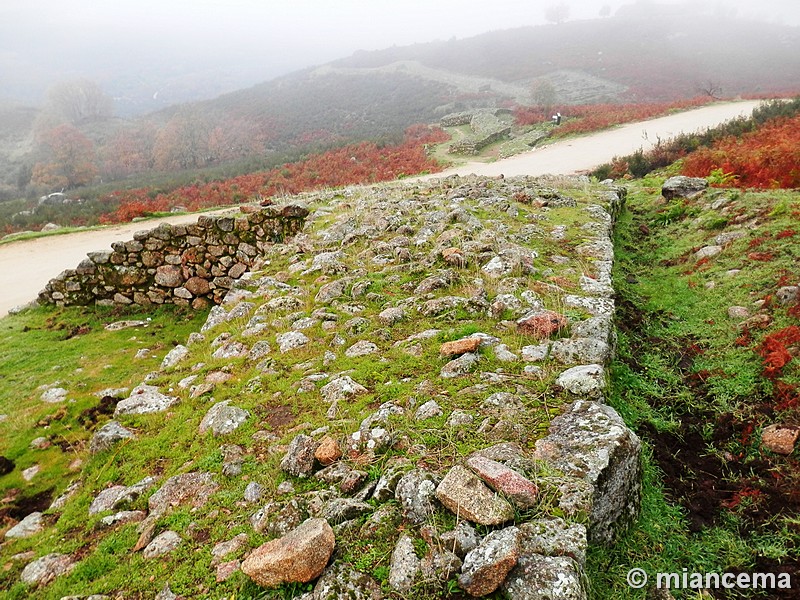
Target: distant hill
[[650, 54], [643, 53]]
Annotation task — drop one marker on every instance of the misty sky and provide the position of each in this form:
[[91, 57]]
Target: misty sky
[[256, 40]]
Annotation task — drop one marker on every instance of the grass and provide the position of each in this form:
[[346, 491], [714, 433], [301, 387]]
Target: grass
[[678, 357]]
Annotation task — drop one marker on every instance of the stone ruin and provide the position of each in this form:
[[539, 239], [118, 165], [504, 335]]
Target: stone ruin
[[175, 264]]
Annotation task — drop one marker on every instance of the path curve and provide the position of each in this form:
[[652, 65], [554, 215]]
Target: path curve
[[26, 266]]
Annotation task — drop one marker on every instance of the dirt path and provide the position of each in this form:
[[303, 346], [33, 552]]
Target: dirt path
[[27, 266]]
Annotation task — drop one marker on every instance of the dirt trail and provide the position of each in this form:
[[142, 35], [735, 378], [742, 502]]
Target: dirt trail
[[26, 266]]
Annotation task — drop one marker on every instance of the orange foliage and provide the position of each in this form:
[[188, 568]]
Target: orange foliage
[[774, 350], [767, 158], [585, 118], [358, 163]]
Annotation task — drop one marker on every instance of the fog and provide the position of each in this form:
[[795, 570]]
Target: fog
[[175, 50]]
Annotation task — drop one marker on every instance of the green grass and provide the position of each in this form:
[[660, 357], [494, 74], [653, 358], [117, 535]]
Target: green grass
[[672, 307]]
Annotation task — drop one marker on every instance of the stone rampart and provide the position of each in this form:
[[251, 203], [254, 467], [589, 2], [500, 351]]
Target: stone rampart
[[192, 264]]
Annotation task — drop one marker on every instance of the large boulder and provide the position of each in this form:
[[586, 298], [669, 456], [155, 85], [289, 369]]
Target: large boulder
[[486, 567], [590, 441], [298, 557], [465, 495], [683, 187]]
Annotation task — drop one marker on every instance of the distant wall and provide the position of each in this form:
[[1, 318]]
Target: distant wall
[[175, 264]]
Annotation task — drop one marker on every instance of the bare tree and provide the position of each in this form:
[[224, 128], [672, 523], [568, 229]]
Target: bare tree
[[557, 13], [711, 89]]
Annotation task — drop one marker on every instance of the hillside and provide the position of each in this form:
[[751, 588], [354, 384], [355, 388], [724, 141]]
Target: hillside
[[631, 57], [423, 392]]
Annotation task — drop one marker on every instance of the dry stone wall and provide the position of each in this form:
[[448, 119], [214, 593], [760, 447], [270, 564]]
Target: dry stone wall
[[175, 264]]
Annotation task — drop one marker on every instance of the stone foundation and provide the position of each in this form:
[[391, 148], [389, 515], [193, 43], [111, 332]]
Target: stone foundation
[[175, 264]]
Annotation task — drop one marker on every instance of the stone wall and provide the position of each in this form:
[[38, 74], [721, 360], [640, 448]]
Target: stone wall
[[486, 129], [175, 264]]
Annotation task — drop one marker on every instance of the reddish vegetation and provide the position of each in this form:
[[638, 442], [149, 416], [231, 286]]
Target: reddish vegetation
[[586, 118], [767, 158], [358, 163], [774, 350]]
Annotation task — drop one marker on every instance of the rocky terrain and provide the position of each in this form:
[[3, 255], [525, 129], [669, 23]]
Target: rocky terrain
[[405, 399]]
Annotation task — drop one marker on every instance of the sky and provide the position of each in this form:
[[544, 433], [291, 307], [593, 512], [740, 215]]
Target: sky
[[120, 42]]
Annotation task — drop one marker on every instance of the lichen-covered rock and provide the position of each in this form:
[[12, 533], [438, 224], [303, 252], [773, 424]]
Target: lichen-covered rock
[[144, 399], [115, 496], [428, 410], [466, 496], [164, 543], [581, 350], [123, 517], [27, 527], [584, 380], [298, 557], [460, 540], [222, 419], [299, 458], [487, 566], [392, 315], [404, 566], [341, 388], [53, 395], [592, 442], [193, 488], [440, 564], [340, 510], [341, 581], [553, 536], [361, 348], [416, 493], [224, 549], [45, 569], [174, 356], [681, 186], [459, 366], [537, 577], [291, 340], [108, 435]]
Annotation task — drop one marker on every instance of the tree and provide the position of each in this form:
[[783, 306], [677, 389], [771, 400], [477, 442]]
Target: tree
[[183, 142], [710, 88], [67, 159], [79, 100], [605, 11], [129, 151], [557, 13], [543, 94]]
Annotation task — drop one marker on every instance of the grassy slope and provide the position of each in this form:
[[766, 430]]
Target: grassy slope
[[715, 499]]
